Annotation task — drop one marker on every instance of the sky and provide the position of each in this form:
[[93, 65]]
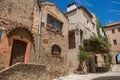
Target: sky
[[107, 11], [118, 57], [0, 33]]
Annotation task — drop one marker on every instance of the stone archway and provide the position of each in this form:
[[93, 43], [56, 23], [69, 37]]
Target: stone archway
[[20, 40], [117, 57]]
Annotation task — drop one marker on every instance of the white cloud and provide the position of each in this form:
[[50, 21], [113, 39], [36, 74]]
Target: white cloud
[[78, 2], [109, 21], [118, 14], [88, 4], [118, 11], [114, 2], [84, 2], [111, 5]]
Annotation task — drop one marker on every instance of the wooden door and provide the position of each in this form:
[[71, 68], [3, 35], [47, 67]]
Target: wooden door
[[18, 51]]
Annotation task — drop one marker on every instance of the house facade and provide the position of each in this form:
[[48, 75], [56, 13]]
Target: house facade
[[82, 25], [60, 38], [19, 21], [16, 19], [54, 38], [112, 31]]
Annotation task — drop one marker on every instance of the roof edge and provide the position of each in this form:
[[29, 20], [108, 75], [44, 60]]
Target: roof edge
[[53, 4], [81, 7]]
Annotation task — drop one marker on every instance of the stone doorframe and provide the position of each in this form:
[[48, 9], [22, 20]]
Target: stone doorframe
[[27, 53]]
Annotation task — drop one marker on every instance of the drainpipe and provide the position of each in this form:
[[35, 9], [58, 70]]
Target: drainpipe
[[39, 31]]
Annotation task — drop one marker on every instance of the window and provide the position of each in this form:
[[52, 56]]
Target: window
[[55, 24], [95, 59], [113, 30], [56, 50], [115, 42], [81, 36], [93, 25], [118, 29], [72, 43], [0, 34]]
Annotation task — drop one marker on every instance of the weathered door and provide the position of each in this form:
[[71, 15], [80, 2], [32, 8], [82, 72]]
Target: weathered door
[[18, 51], [91, 64]]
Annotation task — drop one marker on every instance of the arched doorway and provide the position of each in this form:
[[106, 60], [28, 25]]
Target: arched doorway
[[20, 40], [91, 64], [118, 59], [18, 51]]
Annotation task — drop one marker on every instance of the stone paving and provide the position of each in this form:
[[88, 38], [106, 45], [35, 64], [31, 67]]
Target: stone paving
[[93, 76], [113, 75], [108, 78]]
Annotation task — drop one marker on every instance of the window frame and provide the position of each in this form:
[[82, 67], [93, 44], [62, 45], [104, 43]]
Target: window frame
[[113, 31], [72, 40], [55, 23], [118, 29], [56, 48], [114, 41]]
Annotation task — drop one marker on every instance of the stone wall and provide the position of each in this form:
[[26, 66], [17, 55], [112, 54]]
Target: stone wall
[[103, 69], [114, 48], [2, 60], [21, 71], [20, 11], [3, 49], [100, 60], [111, 36], [51, 37], [18, 17], [85, 26]]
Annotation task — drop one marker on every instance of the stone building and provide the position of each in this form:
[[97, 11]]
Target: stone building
[[82, 25], [19, 20], [112, 31], [54, 38], [16, 18]]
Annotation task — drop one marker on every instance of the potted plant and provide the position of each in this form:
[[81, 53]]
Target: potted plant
[[56, 53], [83, 57]]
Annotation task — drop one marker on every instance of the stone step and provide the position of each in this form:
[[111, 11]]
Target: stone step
[[116, 68]]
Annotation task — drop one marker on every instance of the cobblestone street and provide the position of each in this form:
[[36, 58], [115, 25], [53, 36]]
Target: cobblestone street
[[108, 78], [93, 76]]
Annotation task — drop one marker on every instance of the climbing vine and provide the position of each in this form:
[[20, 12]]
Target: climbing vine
[[83, 56], [98, 26], [96, 45]]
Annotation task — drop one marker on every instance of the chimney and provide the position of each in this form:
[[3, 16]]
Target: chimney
[[71, 6]]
